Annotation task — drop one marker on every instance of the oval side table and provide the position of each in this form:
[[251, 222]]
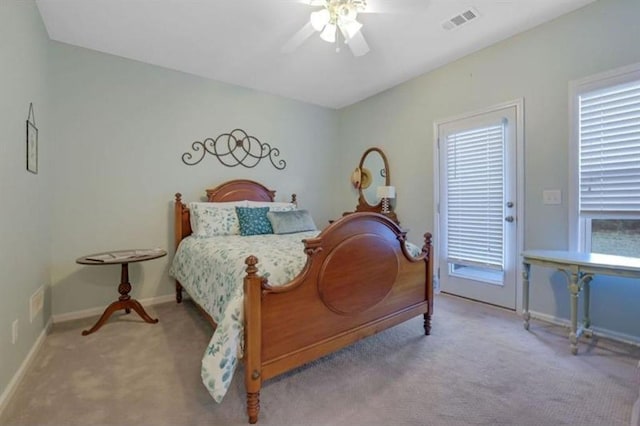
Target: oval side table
[[123, 258]]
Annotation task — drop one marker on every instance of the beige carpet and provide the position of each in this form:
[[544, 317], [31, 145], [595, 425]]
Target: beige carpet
[[479, 367]]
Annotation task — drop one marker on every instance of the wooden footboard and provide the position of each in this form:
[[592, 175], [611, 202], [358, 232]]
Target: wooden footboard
[[359, 279]]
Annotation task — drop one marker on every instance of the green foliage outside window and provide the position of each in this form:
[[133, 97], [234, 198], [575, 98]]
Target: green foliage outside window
[[616, 236]]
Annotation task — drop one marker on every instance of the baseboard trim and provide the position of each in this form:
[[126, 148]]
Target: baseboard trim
[[602, 332], [19, 375], [92, 312]]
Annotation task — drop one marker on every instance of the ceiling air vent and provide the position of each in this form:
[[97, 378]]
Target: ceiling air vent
[[460, 19]]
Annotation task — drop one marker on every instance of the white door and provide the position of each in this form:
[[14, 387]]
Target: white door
[[477, 206]]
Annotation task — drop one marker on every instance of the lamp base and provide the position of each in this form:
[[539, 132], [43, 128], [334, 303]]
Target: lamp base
[[385, 206]]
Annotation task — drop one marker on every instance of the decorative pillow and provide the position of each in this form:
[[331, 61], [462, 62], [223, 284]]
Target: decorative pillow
[[253, 220], [288, 222], [273, 206], [213, 219]]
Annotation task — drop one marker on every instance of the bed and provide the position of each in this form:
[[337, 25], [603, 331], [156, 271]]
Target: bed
[[356, 277]]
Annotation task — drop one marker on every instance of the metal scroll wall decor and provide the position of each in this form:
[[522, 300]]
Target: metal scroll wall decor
[[232, 149]]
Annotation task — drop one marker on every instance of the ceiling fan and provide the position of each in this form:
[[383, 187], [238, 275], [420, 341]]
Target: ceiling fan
[[338, 19]]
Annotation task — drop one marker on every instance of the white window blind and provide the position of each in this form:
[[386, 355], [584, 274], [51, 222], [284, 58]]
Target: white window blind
[[609, 139], [475, 196]]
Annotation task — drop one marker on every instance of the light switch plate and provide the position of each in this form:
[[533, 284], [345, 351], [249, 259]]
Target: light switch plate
[[551, 196]]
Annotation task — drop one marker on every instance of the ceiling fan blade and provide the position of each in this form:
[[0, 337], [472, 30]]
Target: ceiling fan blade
[[309, 2], [298, 38], [396, 6], [358, 44]]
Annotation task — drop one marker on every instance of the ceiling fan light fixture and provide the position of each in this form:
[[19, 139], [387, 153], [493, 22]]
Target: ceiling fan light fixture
[[319, 19], [347, 11], [329, 33], [334, 16], [350, 28]]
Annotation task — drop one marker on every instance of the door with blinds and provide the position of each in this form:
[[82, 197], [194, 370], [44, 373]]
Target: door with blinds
[[477, 206]]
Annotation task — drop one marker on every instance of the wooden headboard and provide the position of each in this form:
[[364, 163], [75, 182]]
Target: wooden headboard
[[233, 190]]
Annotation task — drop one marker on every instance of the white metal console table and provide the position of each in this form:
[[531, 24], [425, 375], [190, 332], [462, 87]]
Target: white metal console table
[[579, 269]]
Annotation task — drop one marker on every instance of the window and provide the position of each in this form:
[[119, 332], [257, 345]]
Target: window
[[605, 149]]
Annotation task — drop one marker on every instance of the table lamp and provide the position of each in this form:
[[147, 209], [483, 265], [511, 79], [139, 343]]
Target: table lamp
[[385, 193]]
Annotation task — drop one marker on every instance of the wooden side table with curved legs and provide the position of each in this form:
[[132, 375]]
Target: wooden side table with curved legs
[[122, 257]]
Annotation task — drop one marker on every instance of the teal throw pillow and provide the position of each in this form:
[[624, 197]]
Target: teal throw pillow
[[254, 221]]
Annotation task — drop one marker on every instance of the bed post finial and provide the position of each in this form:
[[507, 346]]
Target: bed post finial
[[178, 197], [426, 248], [251, 263], [294, 199]]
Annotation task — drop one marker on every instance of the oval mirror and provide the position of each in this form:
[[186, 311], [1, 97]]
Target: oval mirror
[[374, 173]]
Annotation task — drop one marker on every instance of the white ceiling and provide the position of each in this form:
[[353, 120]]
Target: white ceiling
[[239, 41]]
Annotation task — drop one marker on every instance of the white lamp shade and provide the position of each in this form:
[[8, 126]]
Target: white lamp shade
[[386, 192], [350, 28], [319, 19], [329, 33]]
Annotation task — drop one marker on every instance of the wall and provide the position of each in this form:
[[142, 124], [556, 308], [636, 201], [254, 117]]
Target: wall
[[25, 241], [121, 128], [537, 66]]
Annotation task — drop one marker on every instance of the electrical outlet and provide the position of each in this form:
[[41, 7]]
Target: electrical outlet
[[551, 196], [14, 332], [36, 302]]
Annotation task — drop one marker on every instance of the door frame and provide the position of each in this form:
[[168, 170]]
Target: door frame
[[520, 179]]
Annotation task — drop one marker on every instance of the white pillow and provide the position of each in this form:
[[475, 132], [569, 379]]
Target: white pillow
[[273, 206], [214, 219]]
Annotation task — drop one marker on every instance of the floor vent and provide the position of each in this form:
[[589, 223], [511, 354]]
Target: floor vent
[[460, 19]]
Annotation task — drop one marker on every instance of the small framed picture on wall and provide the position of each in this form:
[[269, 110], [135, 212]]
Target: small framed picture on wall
[[32, 144]]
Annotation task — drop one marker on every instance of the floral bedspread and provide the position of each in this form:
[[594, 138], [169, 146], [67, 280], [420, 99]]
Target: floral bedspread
[[212, 271]]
